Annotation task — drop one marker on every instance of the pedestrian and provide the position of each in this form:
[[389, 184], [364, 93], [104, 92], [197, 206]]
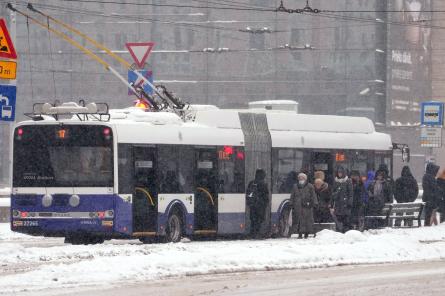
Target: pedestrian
[[257, 197], [342, 198], [358, 201], [379, 192], [441, 205], [389, 194], [405, 190], [431, 193], [303, 200], [323, 192]]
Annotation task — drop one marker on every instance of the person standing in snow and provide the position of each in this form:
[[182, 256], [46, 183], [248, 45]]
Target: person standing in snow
[[358, 204], [406, 190], [303, 200], [323, 192], [389, 194], [257, 197], [431, 193], [441, 205], [342, 198]]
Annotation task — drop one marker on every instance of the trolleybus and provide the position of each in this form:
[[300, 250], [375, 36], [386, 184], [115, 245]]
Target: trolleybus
[[97, 174]]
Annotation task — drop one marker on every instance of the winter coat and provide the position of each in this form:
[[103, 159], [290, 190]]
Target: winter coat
[[322, 212], [257, 195], [441, 184], [431, 192], [368, 182], [342, 196], [358, 200], [376, 200], [389, 193], [303, 200], [406, 188]]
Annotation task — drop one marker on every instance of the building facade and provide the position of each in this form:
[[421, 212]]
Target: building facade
[[331, 63]]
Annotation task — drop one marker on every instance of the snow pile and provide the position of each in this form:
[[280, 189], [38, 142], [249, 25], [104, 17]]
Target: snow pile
[[61, 266]]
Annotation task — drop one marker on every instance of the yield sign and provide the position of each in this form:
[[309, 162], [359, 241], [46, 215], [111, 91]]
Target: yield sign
[[6, 47], [140, 52]]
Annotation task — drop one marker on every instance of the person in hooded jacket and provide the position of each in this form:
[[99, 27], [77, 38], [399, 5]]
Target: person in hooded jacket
[[303, 200], [358, 203], [431, 192], [342, 198], [441, 205], [323, 191], [379, 193], [257, 197], [406, 190]]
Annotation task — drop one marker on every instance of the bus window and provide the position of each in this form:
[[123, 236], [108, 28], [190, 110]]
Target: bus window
[[383, 158], [176, 169], [231, 169], [286, 165], [145, 168], [125, 169], [358, 161]]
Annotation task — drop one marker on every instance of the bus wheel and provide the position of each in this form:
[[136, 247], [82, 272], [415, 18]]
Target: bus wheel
[[174, 228], [285, 223]]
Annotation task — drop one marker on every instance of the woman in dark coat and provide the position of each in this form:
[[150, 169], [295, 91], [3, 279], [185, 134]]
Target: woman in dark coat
[[342, 198], [323, 192], [431, 191], [303, 200], [406, 188]]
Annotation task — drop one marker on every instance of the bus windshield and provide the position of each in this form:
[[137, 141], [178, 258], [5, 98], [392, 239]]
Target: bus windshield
[[63, 156]]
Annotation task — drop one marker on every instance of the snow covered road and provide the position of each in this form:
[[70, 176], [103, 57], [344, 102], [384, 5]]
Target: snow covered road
[[39, 264]]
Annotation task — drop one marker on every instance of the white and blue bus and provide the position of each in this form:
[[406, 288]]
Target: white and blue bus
[[129, 173]]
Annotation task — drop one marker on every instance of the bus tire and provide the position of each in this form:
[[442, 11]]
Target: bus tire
[[173, 231], [285, 223]]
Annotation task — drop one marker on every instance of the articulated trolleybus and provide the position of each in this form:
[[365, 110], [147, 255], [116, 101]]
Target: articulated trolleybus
[[89, 174]]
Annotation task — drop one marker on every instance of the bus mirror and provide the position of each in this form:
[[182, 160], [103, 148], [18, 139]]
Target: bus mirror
[[406, 154]]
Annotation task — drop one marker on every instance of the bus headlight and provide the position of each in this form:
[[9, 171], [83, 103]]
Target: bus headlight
[[74, 200], [47, 200]]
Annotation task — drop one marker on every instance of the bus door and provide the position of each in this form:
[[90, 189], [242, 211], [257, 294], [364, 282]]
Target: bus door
[[206, 194], [323, 161], [145, 199]]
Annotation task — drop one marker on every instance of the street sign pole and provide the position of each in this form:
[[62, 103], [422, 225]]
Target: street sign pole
[[432, 117]]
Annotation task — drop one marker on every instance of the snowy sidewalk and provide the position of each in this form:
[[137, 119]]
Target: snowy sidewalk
[[115, 261]]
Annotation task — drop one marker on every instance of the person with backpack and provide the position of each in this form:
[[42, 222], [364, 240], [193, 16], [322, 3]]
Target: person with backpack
[[304, 201], [257, 197]]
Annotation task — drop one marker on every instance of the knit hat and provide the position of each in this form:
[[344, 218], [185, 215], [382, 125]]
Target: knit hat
[[319, 175], [302, 176]]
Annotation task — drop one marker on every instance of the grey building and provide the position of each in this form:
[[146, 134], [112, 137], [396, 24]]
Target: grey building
[[331, 62]]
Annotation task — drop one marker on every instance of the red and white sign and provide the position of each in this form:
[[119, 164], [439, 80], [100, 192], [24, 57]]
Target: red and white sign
[[7, 49], [140, 52]]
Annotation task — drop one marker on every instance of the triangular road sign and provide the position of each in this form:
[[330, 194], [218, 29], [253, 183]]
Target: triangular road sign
[[140, 52], [7, 49]]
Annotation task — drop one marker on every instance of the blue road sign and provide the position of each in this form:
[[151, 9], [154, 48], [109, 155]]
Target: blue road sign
[[137, 82], [7, 102], [432, 114]]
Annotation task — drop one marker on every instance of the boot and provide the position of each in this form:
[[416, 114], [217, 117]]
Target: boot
[[300, 236], [306, 235]]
